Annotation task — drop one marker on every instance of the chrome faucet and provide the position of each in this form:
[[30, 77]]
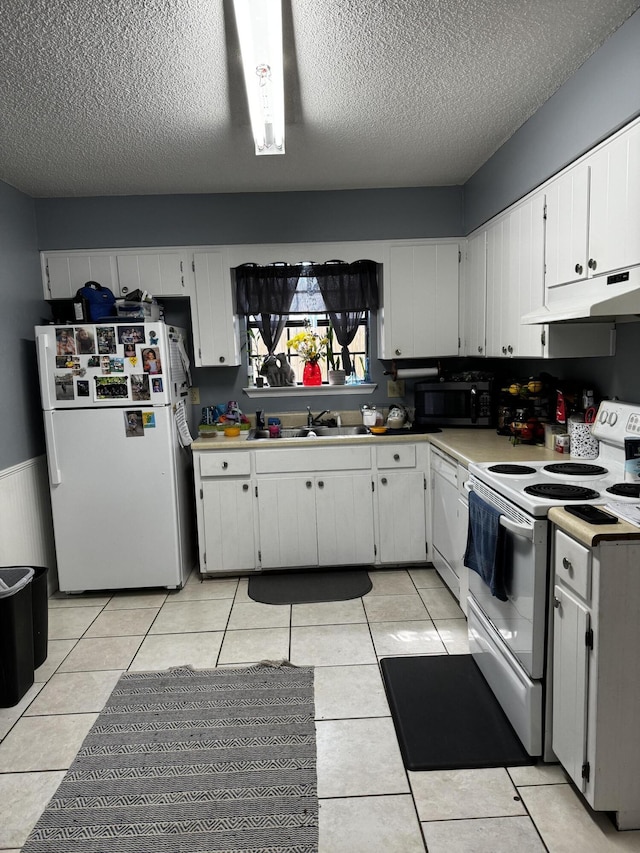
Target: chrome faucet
[[314, 421]]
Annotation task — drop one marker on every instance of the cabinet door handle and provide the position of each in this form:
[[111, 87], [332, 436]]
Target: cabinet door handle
[[578, 269], [592, 264], [384, 481], [245, 487], [308, 484], [225, 465], [504, 350], [510, 348], [124, 290], [320, 484], [556, 602], [398, 352], [221, 359], [479, 349]]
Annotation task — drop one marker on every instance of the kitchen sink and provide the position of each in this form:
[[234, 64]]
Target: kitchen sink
[[311, 432]]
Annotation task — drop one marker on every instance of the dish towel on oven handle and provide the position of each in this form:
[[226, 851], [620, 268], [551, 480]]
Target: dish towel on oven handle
[[485, 552]]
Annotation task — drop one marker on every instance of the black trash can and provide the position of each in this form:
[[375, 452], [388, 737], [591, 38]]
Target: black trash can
[[16, 634], [40, 614]]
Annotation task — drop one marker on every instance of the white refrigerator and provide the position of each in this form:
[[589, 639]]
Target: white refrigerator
[[120, 471]]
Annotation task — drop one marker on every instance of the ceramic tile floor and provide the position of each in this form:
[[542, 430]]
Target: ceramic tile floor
[[368, 802]]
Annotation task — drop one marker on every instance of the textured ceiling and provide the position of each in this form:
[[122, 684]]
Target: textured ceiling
[[122, 97]]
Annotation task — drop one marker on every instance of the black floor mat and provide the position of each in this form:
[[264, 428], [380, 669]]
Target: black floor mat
[[309, 587], [446, 716]]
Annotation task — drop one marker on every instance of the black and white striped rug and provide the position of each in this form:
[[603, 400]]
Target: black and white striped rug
[[189, 761]]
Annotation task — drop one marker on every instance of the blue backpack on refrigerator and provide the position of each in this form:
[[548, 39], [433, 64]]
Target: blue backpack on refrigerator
[[98, 301]]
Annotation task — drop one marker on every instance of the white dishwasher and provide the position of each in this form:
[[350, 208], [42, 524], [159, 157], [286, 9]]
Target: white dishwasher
[[446, 553]]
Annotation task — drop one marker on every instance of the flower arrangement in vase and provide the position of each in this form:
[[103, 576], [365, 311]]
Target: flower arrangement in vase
[[311, 347]]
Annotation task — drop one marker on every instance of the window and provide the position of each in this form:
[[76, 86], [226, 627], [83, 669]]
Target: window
[[308, 309]]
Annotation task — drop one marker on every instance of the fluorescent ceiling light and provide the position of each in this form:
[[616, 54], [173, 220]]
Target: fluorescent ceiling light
[[259, 25]]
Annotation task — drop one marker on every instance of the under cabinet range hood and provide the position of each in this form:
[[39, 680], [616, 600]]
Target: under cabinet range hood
[[597, 298]]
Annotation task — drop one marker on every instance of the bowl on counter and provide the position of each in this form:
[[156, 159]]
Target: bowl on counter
[[378, 430], [232, 431]]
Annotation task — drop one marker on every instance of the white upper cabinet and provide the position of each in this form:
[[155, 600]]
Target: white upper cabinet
[[515, 280], [614, 207], [216, 326], [567, 226], [64, 273], [593, 213], [159, 273], [419, 312], [473, 295]]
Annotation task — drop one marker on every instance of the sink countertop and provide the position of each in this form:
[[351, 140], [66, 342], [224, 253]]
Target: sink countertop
[[465, 445], [591, 534]]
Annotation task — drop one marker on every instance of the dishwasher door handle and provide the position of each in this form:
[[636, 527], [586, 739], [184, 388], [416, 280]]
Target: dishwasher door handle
[[522, 530]]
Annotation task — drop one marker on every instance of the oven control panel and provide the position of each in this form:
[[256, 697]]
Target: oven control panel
[[616, 420]]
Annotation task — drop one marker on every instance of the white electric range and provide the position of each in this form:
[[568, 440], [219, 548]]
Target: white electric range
[[510, 640]]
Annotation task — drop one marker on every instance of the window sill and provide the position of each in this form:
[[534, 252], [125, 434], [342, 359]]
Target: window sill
[[310, 390]]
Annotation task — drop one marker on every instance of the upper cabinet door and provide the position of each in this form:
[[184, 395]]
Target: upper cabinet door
[[567, 227], [64, 274], [159, 273], [473, 297], [526, 261], [419, 315], [614, 210], [216, 332]]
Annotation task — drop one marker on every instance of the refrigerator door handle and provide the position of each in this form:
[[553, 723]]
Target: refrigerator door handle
[[55, 475], [43, 367]]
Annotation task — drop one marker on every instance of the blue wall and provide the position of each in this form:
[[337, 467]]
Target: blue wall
[[223, 219], [600, 97], [21, 435]]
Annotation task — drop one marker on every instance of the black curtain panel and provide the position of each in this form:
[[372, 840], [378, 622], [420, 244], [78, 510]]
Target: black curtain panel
[[348, 290], [266, 293]]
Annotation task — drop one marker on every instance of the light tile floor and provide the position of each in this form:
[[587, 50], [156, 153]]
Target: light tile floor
[[368, 801]]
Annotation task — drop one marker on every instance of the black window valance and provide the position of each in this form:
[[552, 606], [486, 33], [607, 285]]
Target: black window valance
[[270, 289]]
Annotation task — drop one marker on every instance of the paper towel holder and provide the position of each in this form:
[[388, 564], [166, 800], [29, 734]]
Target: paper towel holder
[[396, 372]]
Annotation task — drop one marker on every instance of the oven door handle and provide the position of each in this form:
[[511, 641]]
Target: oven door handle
[[522, 530]]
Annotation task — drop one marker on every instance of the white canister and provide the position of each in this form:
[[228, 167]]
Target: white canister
[[369, 417], [583, 444]]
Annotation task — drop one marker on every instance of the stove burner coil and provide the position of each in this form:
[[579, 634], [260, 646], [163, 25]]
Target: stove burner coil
[[625, 490], [581, 469], [560, 492], [512, 469]]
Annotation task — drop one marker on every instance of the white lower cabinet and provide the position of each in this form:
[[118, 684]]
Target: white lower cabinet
[[316, 520], [225, 511], [318, 506], [401, 502], [596, 671]]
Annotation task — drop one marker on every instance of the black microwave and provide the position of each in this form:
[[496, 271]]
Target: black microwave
[[465, 404]]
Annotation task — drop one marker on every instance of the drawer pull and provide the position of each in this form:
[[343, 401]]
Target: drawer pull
[[384, 481], [308, 484], [321, 484], [225, 465], [245, 487], [396, 457], [566, 564]]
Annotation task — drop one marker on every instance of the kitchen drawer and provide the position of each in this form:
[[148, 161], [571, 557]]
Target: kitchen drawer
[[313, 459], [220, 464], [396, 456], [573, 565]]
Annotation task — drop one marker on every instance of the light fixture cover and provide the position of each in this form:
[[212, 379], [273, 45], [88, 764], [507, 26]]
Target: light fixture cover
[[259, 25]]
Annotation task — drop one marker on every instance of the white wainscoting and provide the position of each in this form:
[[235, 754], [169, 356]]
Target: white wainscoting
[[26, 529]]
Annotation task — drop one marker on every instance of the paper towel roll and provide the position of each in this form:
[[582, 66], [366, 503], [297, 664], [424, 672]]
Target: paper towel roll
[[417, 373]]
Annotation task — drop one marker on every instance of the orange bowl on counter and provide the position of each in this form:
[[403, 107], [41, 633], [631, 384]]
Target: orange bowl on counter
[[378, 430], [232, 431]]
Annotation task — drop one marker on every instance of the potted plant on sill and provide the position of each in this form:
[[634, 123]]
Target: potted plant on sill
[[335, 375]]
